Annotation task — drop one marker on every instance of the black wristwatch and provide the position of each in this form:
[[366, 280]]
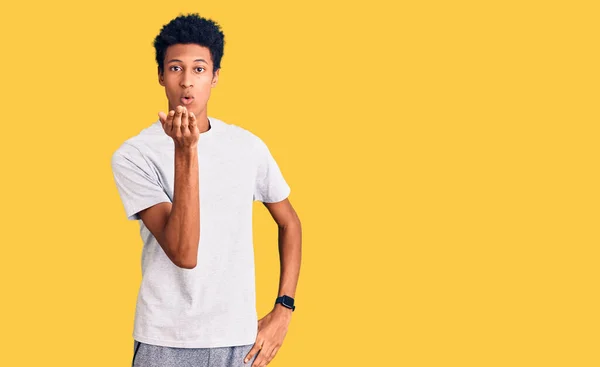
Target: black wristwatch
[[286, 301]]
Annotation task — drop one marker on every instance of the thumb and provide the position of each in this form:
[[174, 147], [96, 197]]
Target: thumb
[[162, 116]]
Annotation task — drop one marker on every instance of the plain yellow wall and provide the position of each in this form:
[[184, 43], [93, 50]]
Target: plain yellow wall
[[443, 159]]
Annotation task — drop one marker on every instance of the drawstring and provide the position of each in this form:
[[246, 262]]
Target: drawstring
[[135, 352]]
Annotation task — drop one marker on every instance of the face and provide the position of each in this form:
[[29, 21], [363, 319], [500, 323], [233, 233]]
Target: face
[[188, 72]]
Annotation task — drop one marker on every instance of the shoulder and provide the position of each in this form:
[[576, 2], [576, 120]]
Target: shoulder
[[238, 134], [137, 146]]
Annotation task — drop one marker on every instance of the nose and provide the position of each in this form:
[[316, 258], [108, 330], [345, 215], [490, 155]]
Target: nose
[[186, 80]]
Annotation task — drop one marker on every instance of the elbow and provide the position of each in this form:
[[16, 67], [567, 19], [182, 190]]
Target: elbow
[[292, 223], [187, 260], [187, 264], [184, 254]]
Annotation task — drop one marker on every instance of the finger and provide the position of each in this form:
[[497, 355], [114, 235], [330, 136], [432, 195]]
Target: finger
[[177, 119], [169, 122], [192, 121], [184, 120], [265, 354], [273, 353], [258, 360], [252, 352], [261, 357], [162, 117]]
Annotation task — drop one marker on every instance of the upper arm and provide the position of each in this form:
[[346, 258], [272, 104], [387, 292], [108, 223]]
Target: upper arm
[[137, 182], [155, 219], [283, 213], [142, 195]]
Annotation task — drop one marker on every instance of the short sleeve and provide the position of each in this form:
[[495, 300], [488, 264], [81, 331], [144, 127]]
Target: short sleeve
[[137, 184], [270, 185]]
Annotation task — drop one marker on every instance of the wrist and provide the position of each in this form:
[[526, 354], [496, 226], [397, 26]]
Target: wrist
[[285, 301], [282, 311], [186, 151], [186, 156]]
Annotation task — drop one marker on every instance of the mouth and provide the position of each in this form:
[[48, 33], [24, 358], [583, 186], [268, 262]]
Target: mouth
[[187, 100]]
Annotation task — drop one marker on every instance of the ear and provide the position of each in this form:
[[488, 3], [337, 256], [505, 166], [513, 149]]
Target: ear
[[215, 78], [161, 79]]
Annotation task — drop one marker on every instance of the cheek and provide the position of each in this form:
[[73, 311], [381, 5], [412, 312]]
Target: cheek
[[204, 87], [172, 88], [206, 83]]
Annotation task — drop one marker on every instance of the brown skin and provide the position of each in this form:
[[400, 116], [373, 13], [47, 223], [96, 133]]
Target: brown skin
[[273, 327], [188, 71], [183, 75], [196, 78], [176, 226]]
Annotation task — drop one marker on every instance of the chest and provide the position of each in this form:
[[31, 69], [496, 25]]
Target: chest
[[225, 176]]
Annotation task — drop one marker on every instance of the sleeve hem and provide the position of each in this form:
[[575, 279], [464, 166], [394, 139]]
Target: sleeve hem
[[132, 214], [278, 198]]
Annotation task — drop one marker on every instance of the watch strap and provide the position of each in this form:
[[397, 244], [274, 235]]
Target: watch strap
[[286, 301]]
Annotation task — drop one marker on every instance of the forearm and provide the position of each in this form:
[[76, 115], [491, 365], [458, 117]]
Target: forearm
[[183, 227], [290, 255]]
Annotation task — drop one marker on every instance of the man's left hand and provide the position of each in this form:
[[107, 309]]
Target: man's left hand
[[271, 332]]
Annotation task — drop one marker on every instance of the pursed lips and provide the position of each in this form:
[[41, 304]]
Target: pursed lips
[[187, 99]]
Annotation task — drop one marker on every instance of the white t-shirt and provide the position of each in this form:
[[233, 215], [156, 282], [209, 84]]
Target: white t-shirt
[[214, 304]]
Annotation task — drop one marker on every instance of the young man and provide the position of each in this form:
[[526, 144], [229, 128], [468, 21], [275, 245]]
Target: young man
[[190, 180]]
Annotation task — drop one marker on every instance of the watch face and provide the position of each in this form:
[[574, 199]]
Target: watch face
[[288, 301]]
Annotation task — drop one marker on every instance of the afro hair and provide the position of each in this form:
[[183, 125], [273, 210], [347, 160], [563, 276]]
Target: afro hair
[[190, 28]]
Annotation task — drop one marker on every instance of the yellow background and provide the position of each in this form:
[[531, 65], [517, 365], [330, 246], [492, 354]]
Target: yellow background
[[443, 159]]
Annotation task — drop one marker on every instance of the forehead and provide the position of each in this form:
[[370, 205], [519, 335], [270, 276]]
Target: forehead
[[187, 52]]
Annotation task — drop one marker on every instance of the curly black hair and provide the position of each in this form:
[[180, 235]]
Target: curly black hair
[[190, 28]]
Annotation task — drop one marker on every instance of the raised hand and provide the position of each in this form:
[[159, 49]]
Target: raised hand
[[181, 126]]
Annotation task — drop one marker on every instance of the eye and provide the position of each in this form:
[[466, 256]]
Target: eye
[[171, 68], [199, 67]]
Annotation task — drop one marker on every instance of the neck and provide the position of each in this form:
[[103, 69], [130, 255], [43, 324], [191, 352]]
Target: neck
[[202, 121]]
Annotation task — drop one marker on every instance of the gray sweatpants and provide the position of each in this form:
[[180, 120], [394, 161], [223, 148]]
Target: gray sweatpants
[[149, 355]]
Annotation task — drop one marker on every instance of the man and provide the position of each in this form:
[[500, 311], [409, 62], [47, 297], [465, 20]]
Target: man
[[190, 180]]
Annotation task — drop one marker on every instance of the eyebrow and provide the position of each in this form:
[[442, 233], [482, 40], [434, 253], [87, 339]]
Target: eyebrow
[[173, 60]]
